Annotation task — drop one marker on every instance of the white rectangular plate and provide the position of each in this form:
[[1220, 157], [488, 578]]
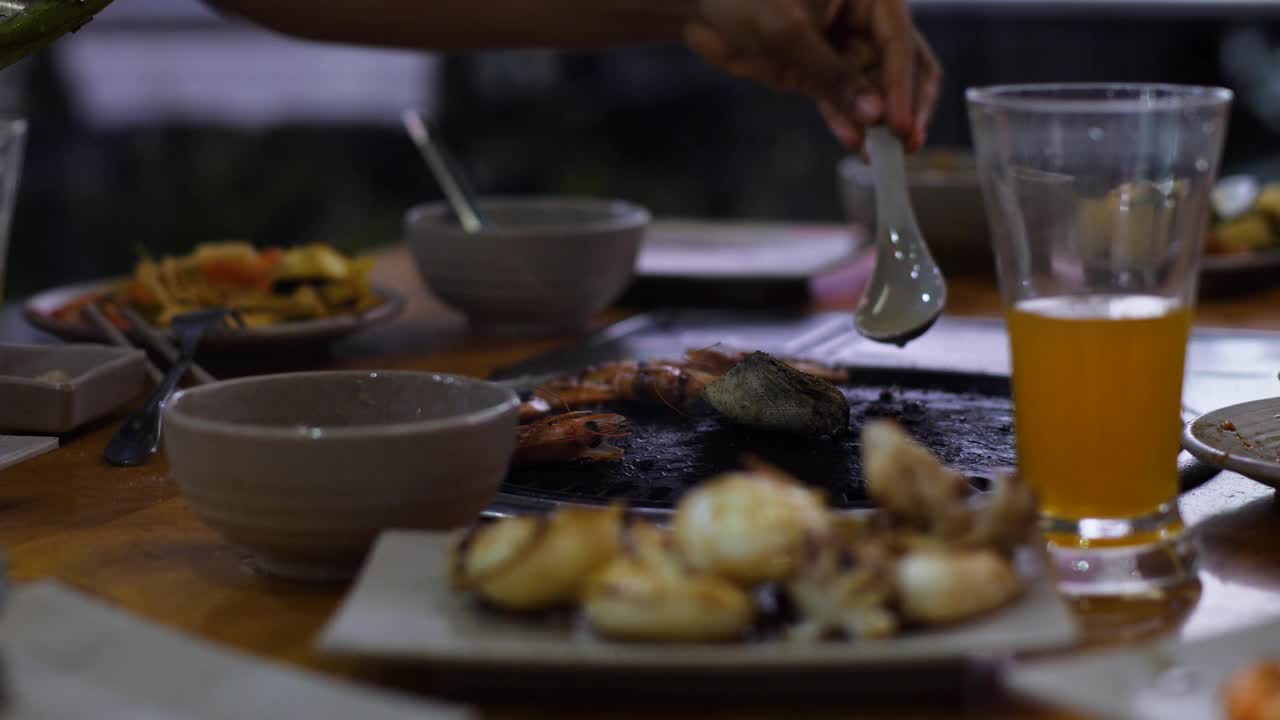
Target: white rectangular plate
[[756, 250], [67, 656], [1168, 680], [16, 449], [403, 608]]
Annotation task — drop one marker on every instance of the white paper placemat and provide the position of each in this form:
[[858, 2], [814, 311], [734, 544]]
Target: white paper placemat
[[712, 249], [69, 656], [20, 448], [402, 607]]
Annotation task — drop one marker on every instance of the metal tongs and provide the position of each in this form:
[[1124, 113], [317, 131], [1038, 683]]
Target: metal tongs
[[139, 437]]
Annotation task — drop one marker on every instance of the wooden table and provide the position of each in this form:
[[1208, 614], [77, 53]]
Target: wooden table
[[126, 536]]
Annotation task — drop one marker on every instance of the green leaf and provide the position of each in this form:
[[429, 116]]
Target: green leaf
[[41, 23]]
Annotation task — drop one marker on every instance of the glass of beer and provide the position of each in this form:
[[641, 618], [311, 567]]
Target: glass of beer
[[1098, 197]]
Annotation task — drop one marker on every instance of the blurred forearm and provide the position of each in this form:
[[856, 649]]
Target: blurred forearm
[[472, 24]]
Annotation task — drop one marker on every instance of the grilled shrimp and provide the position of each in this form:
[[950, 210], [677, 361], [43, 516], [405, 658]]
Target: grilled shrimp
[[652, 381], [581, 435], [749, 526], [675, 383], [1253, 692], [650, 593], [534, 563], [719, 362]]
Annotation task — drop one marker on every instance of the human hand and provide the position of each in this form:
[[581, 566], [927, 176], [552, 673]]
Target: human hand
[[863, 60]]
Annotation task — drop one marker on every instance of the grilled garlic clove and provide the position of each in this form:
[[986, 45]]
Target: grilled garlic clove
[[908, 481], [518, 569], [1008, 517], [486, 549], [651, 594], [945, 584], [648, 540], [845, 588], [749, 527]]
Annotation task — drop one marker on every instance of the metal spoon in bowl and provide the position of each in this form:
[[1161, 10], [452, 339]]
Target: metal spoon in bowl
[[906, 293], [445, 170]]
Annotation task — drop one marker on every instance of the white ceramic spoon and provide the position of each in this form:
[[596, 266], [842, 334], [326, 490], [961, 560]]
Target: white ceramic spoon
[[906, 293]]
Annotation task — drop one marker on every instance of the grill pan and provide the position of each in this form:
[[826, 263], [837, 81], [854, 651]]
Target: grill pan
[[964, 415], [966, 419]]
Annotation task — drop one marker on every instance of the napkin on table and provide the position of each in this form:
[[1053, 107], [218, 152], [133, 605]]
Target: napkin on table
[[69, 656]]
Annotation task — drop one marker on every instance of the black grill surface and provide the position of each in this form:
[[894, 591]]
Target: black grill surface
[[965, 418]]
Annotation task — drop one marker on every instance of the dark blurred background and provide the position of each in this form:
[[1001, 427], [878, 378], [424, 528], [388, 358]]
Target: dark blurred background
[[162, 124]]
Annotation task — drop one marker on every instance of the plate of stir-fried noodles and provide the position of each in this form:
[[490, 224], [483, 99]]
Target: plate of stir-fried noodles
[[304, 293]]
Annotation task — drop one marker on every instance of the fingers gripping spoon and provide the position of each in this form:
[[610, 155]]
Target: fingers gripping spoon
[[907, 292]]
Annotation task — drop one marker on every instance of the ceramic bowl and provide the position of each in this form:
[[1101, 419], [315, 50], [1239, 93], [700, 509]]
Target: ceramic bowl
[[548, 263], [305, 469], [947, 199]]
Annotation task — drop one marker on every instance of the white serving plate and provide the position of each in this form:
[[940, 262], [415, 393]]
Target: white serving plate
[[402, 608]]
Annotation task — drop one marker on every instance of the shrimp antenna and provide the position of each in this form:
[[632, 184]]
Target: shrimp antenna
[[553, 396], [658, 392]]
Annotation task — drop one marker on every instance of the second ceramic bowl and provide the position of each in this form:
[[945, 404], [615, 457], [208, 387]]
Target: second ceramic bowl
[[548, 263]]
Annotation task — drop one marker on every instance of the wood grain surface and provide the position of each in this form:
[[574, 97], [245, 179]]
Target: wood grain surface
[[125, 535]]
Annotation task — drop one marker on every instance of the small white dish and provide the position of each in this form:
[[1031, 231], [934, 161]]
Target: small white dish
[[1244, 438], [55, 389]]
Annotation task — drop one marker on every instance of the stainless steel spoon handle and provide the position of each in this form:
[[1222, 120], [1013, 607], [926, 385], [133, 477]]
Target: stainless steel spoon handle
[[445, 170]]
